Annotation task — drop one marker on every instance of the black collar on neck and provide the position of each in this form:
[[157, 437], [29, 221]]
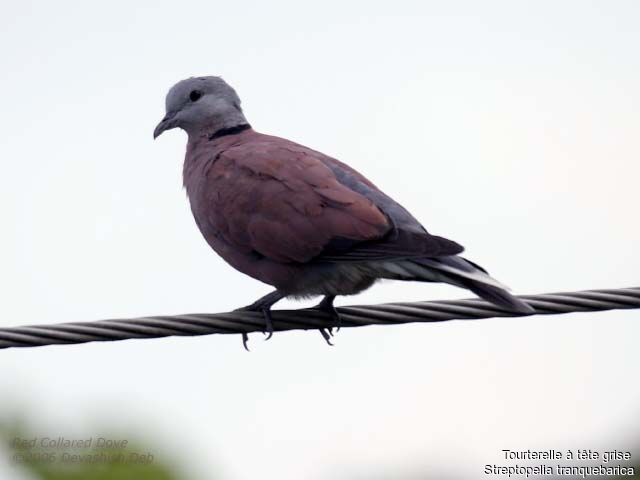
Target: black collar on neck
[[229, 131]]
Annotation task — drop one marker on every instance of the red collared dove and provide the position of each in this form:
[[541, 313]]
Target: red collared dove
[[300, 220]]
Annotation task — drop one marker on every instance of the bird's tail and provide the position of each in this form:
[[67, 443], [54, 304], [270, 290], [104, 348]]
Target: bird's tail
[[456, 271]]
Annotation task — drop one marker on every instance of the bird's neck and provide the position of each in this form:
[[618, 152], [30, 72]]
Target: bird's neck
[[216, 126]]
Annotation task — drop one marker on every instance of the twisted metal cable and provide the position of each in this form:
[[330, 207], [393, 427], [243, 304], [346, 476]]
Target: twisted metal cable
[[306, 319]]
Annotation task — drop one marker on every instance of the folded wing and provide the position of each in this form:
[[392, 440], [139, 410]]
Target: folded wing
[[283, 202]]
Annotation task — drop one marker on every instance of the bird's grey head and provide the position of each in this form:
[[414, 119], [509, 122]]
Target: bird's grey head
[[201, 106]]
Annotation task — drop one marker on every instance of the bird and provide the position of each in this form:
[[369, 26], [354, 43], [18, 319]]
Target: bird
[[299, 220]]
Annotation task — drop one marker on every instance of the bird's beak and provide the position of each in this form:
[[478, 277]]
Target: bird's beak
[[167, 123]]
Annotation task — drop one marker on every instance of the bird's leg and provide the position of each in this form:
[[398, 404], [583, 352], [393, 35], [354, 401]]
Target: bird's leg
[[264, 305], [326, 305]]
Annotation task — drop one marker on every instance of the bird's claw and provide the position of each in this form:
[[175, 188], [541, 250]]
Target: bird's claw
[[266, 314], [326, 306], [245, 339], [268, 321], [326, 336]]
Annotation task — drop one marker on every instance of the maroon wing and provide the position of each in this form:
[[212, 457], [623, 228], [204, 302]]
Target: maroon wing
[[284, 205], [281, 201]]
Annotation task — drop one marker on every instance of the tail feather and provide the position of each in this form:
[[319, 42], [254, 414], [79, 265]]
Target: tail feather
[[460, 267], [456, 271], [499, 297]]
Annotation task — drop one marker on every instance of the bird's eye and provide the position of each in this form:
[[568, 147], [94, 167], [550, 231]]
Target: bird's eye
[[195, 95]]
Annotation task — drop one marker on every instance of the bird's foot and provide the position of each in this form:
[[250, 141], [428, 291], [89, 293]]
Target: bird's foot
[[326, 306], [262, 305], [266, 315]]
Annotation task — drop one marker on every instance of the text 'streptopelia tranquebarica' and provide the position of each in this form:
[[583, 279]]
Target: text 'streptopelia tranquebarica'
[[297, 219]]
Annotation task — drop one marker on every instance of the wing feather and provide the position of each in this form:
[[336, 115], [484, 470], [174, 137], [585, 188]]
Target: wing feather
[[286, 203]]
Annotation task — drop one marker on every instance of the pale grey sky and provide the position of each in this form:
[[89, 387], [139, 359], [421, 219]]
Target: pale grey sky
[[509, 126]]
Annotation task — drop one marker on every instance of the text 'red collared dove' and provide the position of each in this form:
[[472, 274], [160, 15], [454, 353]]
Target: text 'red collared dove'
[[297, 219]]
